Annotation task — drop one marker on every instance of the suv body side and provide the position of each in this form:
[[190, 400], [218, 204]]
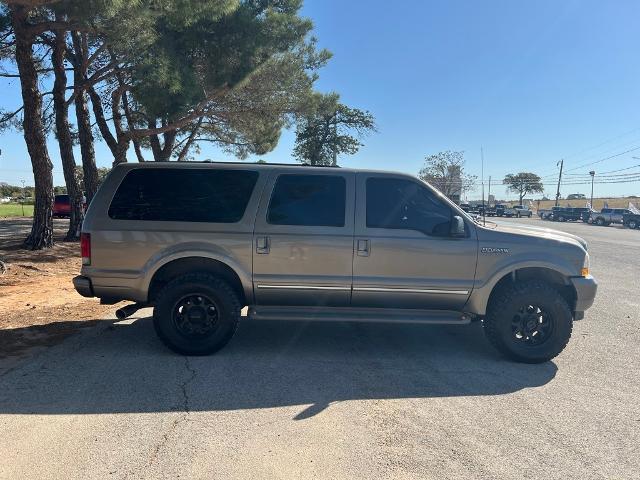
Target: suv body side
[[356, 263]]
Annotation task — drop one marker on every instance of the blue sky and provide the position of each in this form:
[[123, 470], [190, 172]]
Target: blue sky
[[530, 82]]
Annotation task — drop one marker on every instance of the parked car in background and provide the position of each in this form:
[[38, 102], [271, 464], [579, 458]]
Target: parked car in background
[[545, 213], [631, 220], [62, 206], [517, 211], [466, 207], [576, 196], [607, 216], [500, 209], [569, 214]]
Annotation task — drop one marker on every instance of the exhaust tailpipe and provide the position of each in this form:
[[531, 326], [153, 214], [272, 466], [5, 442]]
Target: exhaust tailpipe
[[129, 310]]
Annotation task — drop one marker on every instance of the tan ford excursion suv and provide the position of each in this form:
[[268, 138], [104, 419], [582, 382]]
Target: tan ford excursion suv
[[200, 241]]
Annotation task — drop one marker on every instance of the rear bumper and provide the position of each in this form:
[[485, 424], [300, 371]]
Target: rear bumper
[[83, 286], [586, 288]]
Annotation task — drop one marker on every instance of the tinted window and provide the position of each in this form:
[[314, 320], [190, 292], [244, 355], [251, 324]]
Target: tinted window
[[62, 198], [183, 195], [314, 200], [403, 204]]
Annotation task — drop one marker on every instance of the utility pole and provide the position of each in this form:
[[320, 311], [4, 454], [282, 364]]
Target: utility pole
[[23, 195], [593, 174], [559, 179], [484, 215], [489, 193]]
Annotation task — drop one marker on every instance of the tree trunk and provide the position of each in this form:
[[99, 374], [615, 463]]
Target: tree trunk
[[41, 235], [192, 136], [127, 113], [162, 153], [65, 142], [89, 169]]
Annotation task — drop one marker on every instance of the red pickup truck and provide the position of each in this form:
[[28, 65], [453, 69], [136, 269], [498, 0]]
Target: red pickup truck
[[62, 206]]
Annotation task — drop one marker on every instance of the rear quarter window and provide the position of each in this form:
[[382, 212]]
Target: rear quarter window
[[183, 195]]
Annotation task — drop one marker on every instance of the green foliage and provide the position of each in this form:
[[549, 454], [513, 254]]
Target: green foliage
[[249, 118], [523, 183], [102, 174], [445, 171], [329, 129], [15, 191], [186, 51]]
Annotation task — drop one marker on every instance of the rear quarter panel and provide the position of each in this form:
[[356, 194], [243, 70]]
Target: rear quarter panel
[[125, 254]]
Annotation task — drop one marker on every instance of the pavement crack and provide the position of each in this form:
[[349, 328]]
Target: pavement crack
[[185, 384], [166, 436]]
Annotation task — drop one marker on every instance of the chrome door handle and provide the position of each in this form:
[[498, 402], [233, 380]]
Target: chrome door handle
[[362, 248], [262, 244]]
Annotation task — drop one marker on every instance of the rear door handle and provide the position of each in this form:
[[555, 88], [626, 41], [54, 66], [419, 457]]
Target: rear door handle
[[362, 248], [262, 244]]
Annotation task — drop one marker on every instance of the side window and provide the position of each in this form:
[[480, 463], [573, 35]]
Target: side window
[[183, 195], [403, 204], [313, 200]]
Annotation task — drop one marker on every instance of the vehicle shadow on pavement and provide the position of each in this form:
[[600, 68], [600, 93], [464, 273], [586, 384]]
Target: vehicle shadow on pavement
[[125, 369]]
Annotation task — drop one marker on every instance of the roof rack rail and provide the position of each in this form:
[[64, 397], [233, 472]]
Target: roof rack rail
[[263, 163], [322, 166]]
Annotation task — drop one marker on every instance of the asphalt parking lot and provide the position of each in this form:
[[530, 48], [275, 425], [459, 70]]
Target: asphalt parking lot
[[304, 400]]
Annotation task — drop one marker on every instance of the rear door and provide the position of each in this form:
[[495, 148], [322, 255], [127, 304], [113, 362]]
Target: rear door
[[303, 239], [405, 255]]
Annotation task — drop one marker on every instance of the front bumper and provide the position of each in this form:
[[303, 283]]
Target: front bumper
[[83, 286], [586, 288]]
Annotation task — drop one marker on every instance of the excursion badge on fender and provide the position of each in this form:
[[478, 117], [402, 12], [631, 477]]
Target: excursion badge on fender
[[494, 250]]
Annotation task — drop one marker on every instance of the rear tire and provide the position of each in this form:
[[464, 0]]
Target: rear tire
[[528, 322], [632, 224], [196, 314], [600, 221]]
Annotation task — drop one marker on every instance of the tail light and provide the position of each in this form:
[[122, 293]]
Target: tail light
[[85, 248]]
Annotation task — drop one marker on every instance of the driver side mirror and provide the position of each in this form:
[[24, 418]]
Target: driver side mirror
[[457, 227]]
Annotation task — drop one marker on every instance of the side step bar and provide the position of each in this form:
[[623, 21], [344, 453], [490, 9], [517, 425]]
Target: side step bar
[[368, 315]]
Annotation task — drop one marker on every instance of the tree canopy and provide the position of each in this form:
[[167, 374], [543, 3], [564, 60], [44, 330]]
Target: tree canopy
[[329, 129], [445, 171], [523, 183], [165, 76]]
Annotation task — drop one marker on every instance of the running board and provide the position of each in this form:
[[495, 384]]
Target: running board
[[367, 315]]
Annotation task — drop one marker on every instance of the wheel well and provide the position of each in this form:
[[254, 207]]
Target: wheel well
[[182, 266], [552, 277]]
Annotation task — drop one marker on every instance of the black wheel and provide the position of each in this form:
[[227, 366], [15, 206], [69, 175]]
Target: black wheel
[[528, 322], [196, 314], [600, 221], [562, 219], [632, 224]]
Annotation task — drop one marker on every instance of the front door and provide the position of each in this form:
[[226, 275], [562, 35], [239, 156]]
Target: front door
[[405, 253], [303, 239]]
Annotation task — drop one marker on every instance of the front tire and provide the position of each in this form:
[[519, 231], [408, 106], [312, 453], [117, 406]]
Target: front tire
[[196, 314], [528, 322], [632, 224]]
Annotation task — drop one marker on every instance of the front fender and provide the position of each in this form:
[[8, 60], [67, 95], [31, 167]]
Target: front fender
[[487, 278]]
